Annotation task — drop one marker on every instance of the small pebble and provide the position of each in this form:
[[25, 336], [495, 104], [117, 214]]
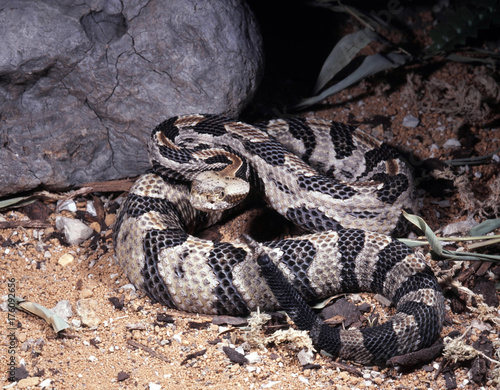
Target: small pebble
[[45, 383], [85, 308], [253, 357], [65, 259], [110, 219], [86, 293], [74, 230], [63, 309], [68, 205], [28, 382], [452, 143], [305, 357], [90, 208], [410, 121]]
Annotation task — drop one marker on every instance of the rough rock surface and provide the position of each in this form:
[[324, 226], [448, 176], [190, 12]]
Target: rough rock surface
[[81, 86]]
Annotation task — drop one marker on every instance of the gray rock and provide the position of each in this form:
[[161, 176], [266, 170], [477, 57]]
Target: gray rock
[[82, 86], [305, 356], [74, 230]]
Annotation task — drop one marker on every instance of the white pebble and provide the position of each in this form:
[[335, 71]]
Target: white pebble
[[452, 143], [90, 208], [305, 357], [177, 337], [128, 286], [45, 383], [68, 205], [92, 358], [74, 230], [253, 357], [154, 386]]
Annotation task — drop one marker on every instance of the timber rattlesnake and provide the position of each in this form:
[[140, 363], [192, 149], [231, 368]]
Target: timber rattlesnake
[[346, 187]]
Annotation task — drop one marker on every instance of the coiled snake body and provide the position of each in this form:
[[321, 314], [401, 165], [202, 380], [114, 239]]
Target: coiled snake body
[[346, 188]]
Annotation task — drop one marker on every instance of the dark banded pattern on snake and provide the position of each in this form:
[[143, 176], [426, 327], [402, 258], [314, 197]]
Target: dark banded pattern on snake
[[352, 212]]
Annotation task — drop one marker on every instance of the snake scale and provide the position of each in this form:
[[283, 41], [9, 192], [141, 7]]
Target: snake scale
[[341, 185]]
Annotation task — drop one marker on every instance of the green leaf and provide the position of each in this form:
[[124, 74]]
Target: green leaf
[[371, 65], [436, 247], [472, 160], [343, 52], [485, 227], [18, 201], [49, 316]]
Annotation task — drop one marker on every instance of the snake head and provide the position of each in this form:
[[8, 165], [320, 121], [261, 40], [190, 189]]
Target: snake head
[[213, 191]]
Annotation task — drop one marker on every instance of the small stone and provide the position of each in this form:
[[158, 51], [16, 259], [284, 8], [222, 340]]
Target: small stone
[[95, 226], [45, 383], [452, 143], [378, 380], [21, 337], [28, 382], [154, 386], [92, 358], [177, 337], [63, 309], [305, 356], [65, 259], [128, 286], [74, 231], [68, 205], [86, 293], [110, 219], [90, 208], [86, 309], [122, 376], [253, 357], [410, 121]]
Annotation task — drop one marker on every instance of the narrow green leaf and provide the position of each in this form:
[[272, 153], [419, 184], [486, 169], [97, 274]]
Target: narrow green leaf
[[343, 52], [12, 201], [472, 160], [429, 234], [485, 227], [49, 316], [435, 244], [371, 65]]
